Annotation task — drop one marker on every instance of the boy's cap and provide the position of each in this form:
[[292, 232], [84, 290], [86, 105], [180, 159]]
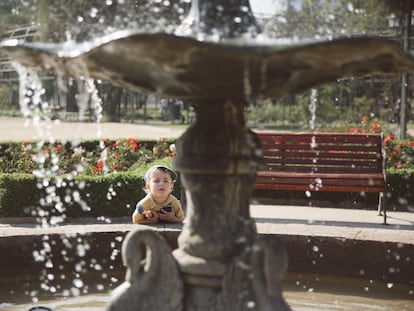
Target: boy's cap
[[154, 167]]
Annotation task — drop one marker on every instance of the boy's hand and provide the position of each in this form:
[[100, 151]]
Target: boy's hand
[[168, 216], [151, 216]]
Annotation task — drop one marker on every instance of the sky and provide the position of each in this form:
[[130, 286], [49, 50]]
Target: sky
[[270, 7], [264, 7]]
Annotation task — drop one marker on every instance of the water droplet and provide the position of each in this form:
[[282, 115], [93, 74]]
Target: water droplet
[[75, 291], [98, 267], [80, 250], [93, 13], [390, 285], [251, 304], [78, 283]]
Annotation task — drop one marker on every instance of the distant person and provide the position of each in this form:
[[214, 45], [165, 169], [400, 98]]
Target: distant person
[[164, 109], [159, 205], [177, 107]]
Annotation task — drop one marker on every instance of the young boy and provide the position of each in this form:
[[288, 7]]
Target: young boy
[[159, 204]]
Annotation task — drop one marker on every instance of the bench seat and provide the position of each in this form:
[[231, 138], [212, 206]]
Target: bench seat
[[320, 182]]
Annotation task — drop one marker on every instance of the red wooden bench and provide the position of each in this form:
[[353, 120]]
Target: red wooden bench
[[308, 161]]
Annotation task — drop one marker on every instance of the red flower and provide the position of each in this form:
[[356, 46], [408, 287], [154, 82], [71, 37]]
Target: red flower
[[116, 155], [375, 127], [115, 167], [100, 163], [389, 138], [132, 140], [134, 146], [364, 118], [410, 143], [58, 149], [355, 130], [399, 164]]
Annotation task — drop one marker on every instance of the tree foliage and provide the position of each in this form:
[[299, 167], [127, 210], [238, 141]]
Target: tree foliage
[[16, 13], [327, 19], [84, 19]]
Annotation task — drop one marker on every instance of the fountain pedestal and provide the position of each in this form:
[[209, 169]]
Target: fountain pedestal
[[223, 264], [217, 157]]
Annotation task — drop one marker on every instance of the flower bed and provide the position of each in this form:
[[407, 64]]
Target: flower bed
[[94, 157]]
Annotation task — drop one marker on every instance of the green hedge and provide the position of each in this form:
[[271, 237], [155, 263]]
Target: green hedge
[[18, 193], [400, 192]]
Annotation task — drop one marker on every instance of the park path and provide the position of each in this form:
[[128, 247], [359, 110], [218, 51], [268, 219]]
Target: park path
[[16, 129]]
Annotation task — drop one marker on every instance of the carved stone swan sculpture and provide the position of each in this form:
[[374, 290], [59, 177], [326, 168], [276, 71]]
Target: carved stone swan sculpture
[[152, 280]]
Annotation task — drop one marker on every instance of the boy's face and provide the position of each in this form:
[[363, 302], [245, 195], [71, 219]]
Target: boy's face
[[160, 184]]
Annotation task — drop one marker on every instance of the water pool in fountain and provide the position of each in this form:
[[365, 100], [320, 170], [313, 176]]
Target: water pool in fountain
[[303, 293]]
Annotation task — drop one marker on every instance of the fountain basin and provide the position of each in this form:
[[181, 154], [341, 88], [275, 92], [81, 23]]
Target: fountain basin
[[345, 243], [183, 67]]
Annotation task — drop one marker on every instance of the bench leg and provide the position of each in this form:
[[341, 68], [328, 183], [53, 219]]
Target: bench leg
[[382, 210]]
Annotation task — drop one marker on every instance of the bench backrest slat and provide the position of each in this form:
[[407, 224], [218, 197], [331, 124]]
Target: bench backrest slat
[[322, 152]]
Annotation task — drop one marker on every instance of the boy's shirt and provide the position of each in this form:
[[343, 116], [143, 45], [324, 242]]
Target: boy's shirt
[[148, 204]]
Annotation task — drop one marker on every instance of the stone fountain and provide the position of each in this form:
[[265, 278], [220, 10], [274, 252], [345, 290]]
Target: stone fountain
[[213, 62]]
